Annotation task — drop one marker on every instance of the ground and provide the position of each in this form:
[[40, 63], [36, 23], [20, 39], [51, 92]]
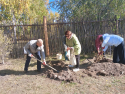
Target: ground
[[103, 77]]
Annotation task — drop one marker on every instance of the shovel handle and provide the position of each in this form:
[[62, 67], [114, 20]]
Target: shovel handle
[[46, 64]]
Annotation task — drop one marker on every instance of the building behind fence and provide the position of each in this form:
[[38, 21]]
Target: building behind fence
[[85, 31]]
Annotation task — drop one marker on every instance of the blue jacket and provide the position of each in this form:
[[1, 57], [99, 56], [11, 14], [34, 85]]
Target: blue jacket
[[111, 40]]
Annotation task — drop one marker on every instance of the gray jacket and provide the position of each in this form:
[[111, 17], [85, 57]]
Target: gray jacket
[[30, 48]]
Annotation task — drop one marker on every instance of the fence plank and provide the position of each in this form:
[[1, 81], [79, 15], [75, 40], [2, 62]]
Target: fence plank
[[85, 31]]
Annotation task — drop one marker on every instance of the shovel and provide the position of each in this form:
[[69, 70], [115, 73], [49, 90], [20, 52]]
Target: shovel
[[47, 65]]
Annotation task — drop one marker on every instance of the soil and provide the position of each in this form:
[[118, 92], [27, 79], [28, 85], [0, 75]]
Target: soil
[[103, 77], [89, 67]]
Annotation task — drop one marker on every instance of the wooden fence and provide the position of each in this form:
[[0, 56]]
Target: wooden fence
[[85, 31]]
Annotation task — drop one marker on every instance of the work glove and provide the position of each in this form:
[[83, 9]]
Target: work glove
[[30, 55], [44, 62]]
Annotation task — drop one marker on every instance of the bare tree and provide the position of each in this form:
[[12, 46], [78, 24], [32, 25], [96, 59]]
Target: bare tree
[[5, 45]]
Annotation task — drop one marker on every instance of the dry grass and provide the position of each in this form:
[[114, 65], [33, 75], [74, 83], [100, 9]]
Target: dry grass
[[14, 81]]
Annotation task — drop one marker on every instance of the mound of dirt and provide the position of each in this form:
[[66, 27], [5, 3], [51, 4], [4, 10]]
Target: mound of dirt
[[65, 74], [104, 68]]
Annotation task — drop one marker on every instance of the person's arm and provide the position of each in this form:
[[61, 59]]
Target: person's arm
[[26, 47], [76, 43], [105, 48], [43, 53], [97, 44], [105, 41]]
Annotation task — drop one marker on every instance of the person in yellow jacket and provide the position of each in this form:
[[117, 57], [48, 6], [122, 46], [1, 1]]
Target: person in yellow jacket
[[73, 43]]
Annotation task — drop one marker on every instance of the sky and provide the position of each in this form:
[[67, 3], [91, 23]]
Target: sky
[[52, 9]]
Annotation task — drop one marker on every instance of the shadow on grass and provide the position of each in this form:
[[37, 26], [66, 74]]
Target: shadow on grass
[[13, 72], [29, 72], [58, 65]]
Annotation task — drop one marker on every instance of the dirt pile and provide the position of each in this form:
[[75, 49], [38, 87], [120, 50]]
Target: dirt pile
[[65, 74], [104, 68], [68, 76]]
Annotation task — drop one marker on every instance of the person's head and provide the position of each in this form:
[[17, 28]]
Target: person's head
[[39, 42], [101, 39], [68, 34]]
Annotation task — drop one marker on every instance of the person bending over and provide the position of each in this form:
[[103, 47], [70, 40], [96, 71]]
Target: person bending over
[[34, 47], [117, 41]]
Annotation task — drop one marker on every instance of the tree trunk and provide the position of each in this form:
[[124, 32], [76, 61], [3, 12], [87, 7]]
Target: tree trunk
[[14, 19]]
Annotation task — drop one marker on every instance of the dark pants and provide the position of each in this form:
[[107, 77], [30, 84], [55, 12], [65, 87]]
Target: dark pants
[[38, 62], [119, 54], [77, 60]]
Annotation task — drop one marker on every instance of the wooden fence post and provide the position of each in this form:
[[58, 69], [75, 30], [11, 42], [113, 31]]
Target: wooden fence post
[[46, 35]]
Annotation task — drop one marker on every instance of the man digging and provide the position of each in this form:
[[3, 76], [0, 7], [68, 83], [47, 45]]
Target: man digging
[[35, 47]]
